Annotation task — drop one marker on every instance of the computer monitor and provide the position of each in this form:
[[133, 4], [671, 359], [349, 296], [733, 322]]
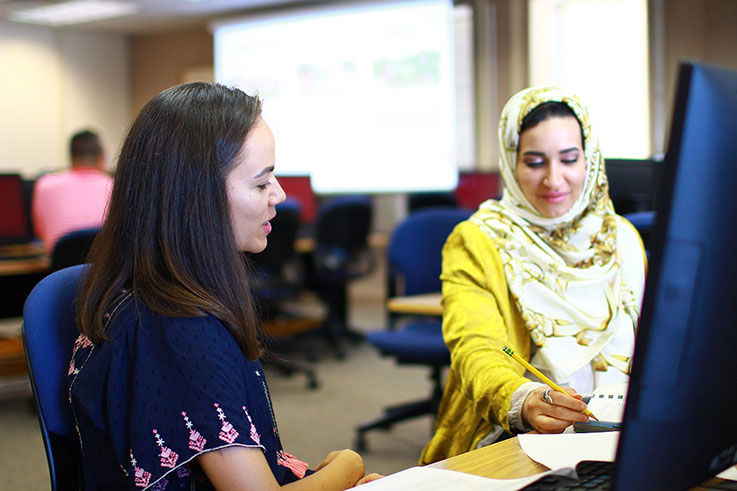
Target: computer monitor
[[680, 425], [14, 223], [633, 183]]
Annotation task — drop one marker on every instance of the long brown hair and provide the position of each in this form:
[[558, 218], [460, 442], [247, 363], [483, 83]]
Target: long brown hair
[[168, 236]]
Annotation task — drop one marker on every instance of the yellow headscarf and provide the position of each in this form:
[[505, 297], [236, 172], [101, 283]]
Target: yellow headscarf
[[576, 295]]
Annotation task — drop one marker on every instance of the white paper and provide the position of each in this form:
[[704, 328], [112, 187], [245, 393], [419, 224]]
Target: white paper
[[568, 449], [607, 402], [430, 478], [730, 473]]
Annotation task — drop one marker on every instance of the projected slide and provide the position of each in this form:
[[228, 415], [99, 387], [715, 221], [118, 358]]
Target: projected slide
[[361, 97]]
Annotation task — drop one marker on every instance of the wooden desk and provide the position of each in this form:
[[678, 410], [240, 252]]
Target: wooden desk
[[20, 259], [424, 304], [502, 460], [506, 460], [12, 357]]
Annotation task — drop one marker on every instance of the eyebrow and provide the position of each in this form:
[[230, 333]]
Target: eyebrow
[[264, 171], [534, 153], [569, 149]]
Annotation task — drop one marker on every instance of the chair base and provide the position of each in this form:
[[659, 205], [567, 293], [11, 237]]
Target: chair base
[[393, 415]]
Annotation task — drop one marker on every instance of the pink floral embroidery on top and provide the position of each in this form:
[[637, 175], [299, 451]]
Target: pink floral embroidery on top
[[291, 462], [168, 456], [82, 341], [141, 477], [228, 434], [196, 441], [254, 434]]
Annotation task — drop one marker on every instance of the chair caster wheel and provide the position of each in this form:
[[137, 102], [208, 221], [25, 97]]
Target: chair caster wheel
[[312, 383]]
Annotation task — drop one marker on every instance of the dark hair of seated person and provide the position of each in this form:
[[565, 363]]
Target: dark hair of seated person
[[168, 234], [549, 110]]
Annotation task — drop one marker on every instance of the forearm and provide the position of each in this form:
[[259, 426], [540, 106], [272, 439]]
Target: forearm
[[342, 472]]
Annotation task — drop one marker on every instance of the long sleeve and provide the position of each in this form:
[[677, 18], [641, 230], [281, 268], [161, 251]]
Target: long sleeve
[[479, 319]]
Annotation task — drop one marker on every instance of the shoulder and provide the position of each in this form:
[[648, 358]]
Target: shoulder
[[50, 180], [199, 333], [473, 235]]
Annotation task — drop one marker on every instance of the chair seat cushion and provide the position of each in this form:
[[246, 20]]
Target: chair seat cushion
[[417, 342]]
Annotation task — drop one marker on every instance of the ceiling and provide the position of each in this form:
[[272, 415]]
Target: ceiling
[[160, 15]]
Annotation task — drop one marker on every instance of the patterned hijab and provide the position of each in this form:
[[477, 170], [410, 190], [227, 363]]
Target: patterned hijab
[[573, 290]]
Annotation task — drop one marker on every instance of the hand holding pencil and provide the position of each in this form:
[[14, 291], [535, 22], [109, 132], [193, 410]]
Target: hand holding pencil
[[546, 393]]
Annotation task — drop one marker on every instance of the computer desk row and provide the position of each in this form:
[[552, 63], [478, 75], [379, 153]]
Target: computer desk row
[[30, 258], [20, 259]]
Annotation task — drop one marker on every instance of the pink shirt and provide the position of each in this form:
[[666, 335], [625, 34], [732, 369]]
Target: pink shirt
[[67, 201]]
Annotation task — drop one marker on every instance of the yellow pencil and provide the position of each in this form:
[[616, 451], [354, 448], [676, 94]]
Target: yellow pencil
[[542, 377]]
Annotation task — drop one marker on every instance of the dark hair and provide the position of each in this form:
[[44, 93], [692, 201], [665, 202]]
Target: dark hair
[[168, 235], [549, 110], [85, 146]]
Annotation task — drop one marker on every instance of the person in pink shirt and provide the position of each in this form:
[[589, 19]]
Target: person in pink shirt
[[73, 199]]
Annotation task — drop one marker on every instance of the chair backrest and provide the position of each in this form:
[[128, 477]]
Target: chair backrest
[[14, 220], [345, 222], [341, 238], [280, 246], [72, 248], [49, 332], [270, 279], [415, 249]]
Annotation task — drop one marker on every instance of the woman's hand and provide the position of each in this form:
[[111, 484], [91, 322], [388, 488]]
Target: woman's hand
[[555, 416]]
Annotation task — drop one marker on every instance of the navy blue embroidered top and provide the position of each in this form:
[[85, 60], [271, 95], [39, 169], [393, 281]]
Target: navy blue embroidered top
[[160, 392]]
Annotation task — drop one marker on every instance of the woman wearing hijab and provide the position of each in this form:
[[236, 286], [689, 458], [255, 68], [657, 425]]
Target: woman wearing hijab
[[549, 270]]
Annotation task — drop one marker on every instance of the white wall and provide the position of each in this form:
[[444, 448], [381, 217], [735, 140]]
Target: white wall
[[53, 83]]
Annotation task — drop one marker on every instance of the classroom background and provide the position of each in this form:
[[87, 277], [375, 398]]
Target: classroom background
[[56, 80]]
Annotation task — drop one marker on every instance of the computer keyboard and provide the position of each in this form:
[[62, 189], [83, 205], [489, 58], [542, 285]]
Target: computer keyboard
[[592, 475]]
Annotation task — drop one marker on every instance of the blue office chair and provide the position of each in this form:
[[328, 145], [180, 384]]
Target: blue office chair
[[341, 255], [49, 331], [414, 261], [273, 284], [643, 221], [272, 281], [72, 248]]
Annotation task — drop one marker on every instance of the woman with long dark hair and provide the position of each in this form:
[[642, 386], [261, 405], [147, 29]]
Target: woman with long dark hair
[[165, 383]]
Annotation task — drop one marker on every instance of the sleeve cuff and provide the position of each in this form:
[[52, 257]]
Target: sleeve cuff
[[514, 416]]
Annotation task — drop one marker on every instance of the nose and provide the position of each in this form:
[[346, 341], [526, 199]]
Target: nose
[[278, 195], [554, 176]]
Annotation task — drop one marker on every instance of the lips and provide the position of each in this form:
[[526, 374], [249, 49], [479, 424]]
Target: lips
[[267, 224], [554, 197]]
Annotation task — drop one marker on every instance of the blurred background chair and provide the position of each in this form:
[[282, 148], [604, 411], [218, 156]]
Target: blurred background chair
[[72, 248], [643, 221], [414, 264], [341, 255], [417, 201], [49, 331], [276, 280]]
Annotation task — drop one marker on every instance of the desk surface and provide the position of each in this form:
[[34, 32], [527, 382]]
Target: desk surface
[[21, 259], [502, 460], [424, 304], [507, 460]]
